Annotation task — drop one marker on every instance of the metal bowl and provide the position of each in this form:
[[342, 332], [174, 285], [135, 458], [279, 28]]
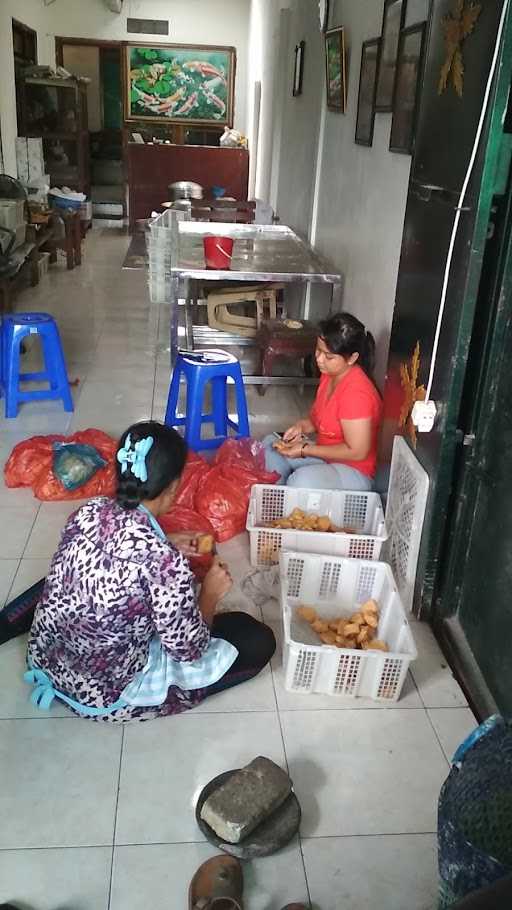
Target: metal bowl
[[185, 189]]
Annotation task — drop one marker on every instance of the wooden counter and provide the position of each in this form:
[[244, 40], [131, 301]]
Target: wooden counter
[[151, 168]]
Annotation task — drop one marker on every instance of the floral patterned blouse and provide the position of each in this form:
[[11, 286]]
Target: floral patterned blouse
[[112, 584]]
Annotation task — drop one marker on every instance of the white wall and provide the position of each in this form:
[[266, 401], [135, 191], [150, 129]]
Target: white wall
[[224, 22], [297, 120], [33, 13], [361, 192]]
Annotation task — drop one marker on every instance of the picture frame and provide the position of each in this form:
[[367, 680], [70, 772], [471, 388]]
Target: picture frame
[[411, 49], [335, 69], [367, 88], [392, 24], [298, 68], [179, 84]]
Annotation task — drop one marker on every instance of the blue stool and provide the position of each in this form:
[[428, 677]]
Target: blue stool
[[16, 327], [199, 368]]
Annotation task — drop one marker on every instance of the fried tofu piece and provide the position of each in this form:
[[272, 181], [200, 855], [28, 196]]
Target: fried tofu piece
[[320, 626], [376, 645], [363, 635], [324, 523], [328, 638], [357, 619], [351, 630], [205, 544], [371, 606], [307, 613], [371, 619]]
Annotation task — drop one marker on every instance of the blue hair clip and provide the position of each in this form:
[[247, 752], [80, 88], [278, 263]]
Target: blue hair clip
[[135, 457]]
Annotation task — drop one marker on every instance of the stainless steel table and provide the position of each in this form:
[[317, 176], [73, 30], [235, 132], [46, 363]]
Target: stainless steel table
[[261, 253]]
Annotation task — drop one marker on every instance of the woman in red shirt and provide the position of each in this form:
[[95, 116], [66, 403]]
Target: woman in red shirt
[[345, 417]]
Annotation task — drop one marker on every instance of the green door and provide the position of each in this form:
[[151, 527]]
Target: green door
[[474, 606]]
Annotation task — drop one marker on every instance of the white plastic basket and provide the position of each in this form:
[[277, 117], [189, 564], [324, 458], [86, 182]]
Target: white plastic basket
[[337, 587], [405, 513], [362, 511]]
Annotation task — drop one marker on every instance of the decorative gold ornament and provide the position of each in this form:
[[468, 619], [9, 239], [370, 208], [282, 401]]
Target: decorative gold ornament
[[456, 27], [409, 373]]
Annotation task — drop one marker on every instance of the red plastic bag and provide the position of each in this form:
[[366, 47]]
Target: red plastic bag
[[30, 465], [248, 454], [223, 494], [195, 469], [180, 519]]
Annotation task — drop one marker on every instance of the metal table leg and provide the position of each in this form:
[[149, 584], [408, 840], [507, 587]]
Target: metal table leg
[[337, 296], [174, 303]]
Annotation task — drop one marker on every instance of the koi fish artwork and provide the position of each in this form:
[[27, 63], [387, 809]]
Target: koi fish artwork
[[170, 103], [189, 104], [213, 99], [206, 69], [166, 84]]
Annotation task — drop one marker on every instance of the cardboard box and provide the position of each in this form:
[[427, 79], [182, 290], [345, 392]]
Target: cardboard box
[[29, 159]]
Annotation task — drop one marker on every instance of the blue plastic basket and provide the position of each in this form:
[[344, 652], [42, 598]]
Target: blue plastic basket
[[62, 202]]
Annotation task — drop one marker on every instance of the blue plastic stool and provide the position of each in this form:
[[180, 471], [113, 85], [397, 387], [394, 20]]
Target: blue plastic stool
[[16, 327], [198, 369]]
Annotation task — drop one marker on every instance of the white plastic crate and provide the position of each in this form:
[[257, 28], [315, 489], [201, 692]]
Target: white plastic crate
[[362, 511], [43, 264], [405, 513], [337, 587], [12, 213]]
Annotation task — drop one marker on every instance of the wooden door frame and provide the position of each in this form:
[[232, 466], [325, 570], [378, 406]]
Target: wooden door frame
[[453, 541], [60, 41]]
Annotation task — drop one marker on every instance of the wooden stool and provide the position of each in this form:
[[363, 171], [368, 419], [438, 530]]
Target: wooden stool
[[276, 339], [72, 243], [264, 298]]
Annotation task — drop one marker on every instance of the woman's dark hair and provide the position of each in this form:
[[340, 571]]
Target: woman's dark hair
[[164, 463], [346, 335]]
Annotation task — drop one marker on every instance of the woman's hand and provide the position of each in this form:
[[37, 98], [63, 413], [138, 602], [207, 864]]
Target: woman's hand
[[292, 449], [217, 582], [293, 433], [185, 541]]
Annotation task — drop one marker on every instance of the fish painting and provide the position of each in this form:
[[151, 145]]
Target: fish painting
[[173, 83]]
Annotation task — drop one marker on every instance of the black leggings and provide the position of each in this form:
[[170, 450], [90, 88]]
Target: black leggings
[[253, 640]]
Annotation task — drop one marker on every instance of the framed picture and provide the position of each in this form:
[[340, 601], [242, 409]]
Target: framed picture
[[407, 88], [392, 23], [170, 83], [335, 69], [367, 87], [298, 70]]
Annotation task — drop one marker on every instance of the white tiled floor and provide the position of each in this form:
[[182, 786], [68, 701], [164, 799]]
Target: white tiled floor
[[95, 817]]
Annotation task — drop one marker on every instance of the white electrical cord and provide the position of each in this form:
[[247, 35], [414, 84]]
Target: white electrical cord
[[462, 197]]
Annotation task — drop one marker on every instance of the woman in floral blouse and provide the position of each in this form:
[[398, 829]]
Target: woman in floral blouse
[[121, 632]]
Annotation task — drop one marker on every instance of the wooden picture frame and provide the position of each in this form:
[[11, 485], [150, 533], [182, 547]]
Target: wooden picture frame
[[411, 49], [392, 23], [182, 84], [298, 68], [335, 70], [367, 88]]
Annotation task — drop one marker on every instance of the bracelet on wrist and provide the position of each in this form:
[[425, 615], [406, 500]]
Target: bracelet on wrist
[[303, 448]]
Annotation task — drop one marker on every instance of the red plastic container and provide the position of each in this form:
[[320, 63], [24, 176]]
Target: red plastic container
[[218, 252]]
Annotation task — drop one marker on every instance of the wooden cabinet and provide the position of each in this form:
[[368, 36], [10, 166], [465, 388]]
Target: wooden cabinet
[[56, 111], [151, 168]]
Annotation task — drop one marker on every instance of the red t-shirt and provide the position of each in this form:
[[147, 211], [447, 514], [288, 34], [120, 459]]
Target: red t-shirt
[[354, 398]]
